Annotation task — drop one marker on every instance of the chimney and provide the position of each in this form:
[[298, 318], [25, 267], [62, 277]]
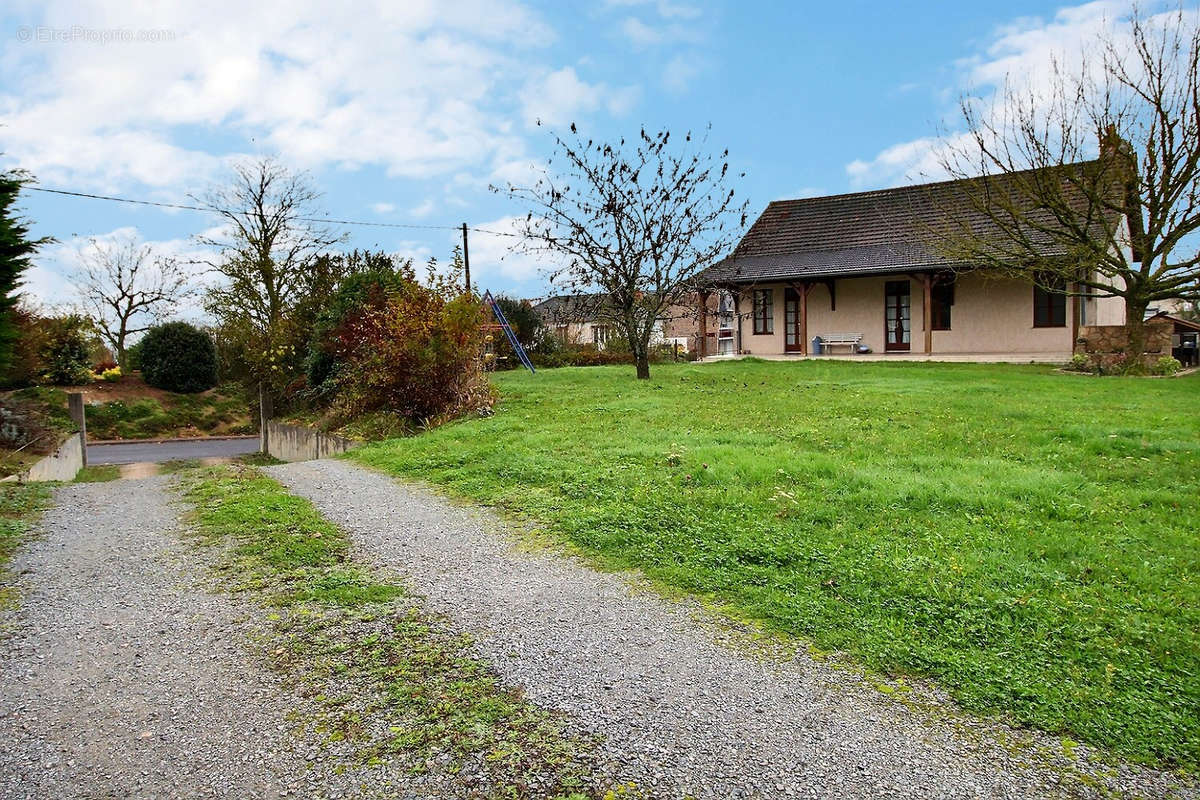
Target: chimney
[[1111, 143]]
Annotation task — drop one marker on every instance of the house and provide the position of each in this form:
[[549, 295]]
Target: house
[[586, 319], [866, 271]]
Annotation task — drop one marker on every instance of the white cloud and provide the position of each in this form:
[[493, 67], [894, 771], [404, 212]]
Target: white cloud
[[805, 191], [679, 72], [500, 256], [49, 280], [422, 88], [1021, 51], [903, 162], [639, 33], [665, 8], [424, 209], [383, 208], [560, 97]]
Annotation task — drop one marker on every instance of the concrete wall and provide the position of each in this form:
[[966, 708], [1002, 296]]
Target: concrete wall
[[61, 465], [988, 316], [296, 443]]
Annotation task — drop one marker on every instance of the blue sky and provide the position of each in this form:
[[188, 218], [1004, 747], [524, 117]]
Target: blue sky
[[405, 112]]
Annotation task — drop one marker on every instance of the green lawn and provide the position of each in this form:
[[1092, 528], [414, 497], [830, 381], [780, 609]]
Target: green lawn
[[1027, 538]]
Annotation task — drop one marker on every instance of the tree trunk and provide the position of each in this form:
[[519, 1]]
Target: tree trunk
[[1135, 314], [643, 366], [122, 359]]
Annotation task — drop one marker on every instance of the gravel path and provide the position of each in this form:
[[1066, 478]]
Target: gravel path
[[123, 678], [678, 709]]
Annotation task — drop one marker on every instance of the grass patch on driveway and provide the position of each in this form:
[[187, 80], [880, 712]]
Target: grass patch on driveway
[[1025, 537], [20, 504], [391, 683]]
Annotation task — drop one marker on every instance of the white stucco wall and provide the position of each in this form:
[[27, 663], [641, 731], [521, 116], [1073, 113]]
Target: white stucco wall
[[988, 316]]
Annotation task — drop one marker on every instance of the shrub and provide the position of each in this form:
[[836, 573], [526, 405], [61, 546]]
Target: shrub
[[582, 356], [111, 375], [133, 356], [408, 351], [100, 367], [1166, 366], [179, 357], [1079, 363], [66, 350], [25, 369], [1118, 363], [354, 292]]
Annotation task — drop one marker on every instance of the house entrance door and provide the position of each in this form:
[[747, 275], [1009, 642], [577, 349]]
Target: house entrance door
[[897, 316], [791, 322]]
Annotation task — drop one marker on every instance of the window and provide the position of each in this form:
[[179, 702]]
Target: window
[[1050, 303], [764, 311], [941, 296], [599, 335]]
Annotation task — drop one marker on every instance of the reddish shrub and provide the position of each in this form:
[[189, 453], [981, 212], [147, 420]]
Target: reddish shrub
[[410, 352]]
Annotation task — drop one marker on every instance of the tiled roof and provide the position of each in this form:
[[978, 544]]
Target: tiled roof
[[889, 230], [563, 308]]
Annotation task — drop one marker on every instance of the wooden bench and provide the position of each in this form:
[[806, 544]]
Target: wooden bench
[[851, 340]]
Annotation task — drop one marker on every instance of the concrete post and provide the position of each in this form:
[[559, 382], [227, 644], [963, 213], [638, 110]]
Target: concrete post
[[265, 412], [79, 417]]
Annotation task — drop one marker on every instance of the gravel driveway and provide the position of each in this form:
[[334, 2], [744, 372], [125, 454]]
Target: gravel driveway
[[120, 676], [680, 710]]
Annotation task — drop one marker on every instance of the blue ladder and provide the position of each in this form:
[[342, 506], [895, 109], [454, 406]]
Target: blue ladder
[[508, 331]]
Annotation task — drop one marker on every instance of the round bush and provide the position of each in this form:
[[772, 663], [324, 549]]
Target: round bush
[[179, 357]]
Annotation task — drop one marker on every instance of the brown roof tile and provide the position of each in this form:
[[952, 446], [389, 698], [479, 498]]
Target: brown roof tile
[[881, 231]]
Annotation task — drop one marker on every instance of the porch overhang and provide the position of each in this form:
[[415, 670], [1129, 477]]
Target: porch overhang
[[811, 268]]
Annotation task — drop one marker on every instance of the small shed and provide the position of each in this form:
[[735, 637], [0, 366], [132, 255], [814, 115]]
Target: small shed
[[1185, 338]]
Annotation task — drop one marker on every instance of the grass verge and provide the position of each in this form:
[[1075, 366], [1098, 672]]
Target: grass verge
[[1026, 538], [137, 411], [391, 684], [98, 473], [20, 503]]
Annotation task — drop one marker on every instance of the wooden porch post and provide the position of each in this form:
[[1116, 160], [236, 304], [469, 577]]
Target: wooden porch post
[[737, 318], [703, 324], [803, 319], [1074, 311], [927, 311]]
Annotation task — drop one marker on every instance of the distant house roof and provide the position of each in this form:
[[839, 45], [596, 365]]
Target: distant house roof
[[1181, 323], [560, 309], [883, 231]]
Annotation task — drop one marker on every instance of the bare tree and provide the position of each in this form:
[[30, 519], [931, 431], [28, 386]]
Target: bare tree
[[633, 222], [269, 239], [1120, 225], [125, 288]]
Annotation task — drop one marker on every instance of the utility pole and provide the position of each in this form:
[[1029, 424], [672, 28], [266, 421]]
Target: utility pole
[[466, 259]]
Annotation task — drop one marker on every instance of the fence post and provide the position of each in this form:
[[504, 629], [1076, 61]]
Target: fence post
[[79, 417], [265, 412]]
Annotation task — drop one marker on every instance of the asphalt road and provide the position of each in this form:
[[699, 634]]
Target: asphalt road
[[174, 450]]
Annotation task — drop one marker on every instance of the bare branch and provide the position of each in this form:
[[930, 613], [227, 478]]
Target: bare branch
[[1044, 203], [633, 222], [125, 288]]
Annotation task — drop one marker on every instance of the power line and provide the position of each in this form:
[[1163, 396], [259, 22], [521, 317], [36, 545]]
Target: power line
[[325, 220], [114, 199]]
